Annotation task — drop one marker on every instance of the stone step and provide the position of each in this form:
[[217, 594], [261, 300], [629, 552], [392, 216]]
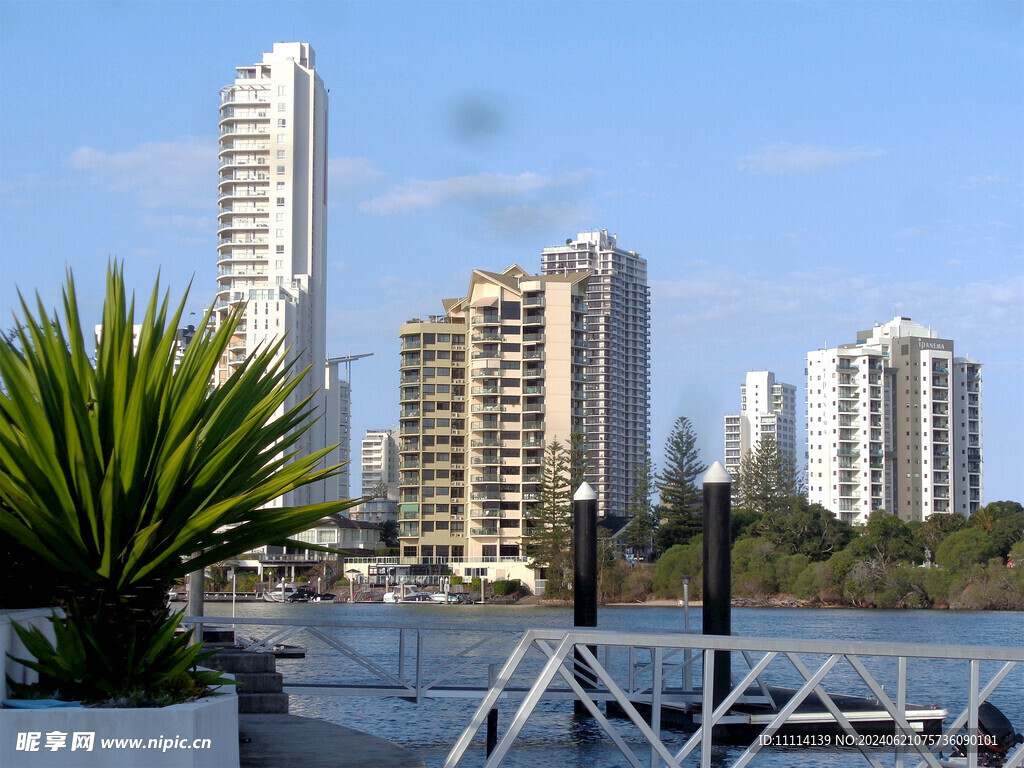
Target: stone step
[[263, 704], [258, 682], [241, 661]]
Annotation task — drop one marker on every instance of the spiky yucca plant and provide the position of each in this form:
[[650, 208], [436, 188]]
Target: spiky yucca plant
[[122, 474]]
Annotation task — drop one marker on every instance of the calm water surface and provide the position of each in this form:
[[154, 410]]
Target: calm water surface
[[554, 737]]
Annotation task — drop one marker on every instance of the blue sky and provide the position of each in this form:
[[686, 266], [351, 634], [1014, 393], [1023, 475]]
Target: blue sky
[[794, 172]]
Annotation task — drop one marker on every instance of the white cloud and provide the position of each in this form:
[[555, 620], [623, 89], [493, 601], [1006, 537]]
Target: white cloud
[[746, 313], [351, 172], [417, 193], [166, 174], [532, 219], [802, 159]]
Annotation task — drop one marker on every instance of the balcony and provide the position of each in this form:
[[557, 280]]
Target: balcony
[[533, 354], [487, 460], [487, 442], [484, 532], [533, 320], [485, 319], [487, 513], [475, 408]]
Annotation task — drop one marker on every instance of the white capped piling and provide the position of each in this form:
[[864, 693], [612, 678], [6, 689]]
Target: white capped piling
[[717, 611]]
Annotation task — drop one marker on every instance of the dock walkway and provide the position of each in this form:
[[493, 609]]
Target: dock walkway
[[272, 741]]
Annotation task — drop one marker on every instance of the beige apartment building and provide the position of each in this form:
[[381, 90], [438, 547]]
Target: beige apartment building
[[484, 388]]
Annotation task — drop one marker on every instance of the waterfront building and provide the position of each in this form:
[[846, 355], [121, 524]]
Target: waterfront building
[[374, 511], [767, 407], [894, 423], [272, 224], [380, 463], [617, 422], [483, 389]]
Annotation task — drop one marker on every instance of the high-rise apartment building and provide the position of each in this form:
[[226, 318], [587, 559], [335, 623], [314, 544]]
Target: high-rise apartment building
[[483, 389], [767, 407], [618, 421], [273, 219], [894, 423], [380, 462]]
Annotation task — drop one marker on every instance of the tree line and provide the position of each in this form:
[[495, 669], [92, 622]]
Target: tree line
[[783, 546]]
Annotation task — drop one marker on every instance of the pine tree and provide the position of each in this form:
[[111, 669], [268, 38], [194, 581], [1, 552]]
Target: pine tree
[[548, 538], [768, 481], [579, 461], [681, 503], [639, 533]]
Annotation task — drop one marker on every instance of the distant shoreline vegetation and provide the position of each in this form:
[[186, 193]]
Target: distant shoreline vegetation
[[801, 556]]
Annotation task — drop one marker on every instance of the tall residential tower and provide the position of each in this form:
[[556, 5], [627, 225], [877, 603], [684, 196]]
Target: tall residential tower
[[767, 407], [273, 219], [894, 423], [484, 388], [618, 390]]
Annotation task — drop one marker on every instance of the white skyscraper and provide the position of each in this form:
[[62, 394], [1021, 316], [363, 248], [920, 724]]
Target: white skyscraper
[[894, 423], [767, 407], [617, 421], [273, 219], [380, 462]]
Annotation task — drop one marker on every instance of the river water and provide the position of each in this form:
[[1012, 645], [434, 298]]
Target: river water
[[554, 737]]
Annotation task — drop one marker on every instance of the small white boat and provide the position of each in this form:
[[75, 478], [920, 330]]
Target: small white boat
[[441, 597], [282, 593], [407, 596]]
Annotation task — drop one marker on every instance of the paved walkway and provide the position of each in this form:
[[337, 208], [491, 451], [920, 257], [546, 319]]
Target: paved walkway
[[287, 740]]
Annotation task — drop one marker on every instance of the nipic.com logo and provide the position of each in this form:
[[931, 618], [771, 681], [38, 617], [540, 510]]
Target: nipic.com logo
[[38, 741]]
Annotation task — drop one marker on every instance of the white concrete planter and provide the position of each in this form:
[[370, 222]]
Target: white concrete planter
[[198, 734], [9, 643]]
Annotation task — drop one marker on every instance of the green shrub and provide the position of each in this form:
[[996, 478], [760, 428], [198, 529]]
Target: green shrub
[[506, 587], [680, 560]]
